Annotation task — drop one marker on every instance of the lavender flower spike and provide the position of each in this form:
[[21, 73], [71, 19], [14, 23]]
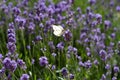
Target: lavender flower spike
[[43, 61], [24, 77], [11, 39]]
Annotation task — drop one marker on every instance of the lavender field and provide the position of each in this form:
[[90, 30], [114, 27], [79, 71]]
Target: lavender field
[[59, 39]]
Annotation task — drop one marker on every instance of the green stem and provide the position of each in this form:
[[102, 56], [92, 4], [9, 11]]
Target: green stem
[[23, 41]]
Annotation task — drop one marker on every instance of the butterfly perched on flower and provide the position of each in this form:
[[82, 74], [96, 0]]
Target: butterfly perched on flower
[[58, 30]]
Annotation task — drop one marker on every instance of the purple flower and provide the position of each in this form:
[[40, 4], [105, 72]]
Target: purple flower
[[31, 27], [53, 67], [107, 24], [94, 23], [54, 54], [89, 54], [28, 47], [78, 9], [16, 11], [103, 54], [71, 1], [88, 64], [20, 22], [1, 56], [41, 25], [116, 69], [6, 62], [103, 77], [2, 71], [81, 64], [96, 38], [51, 44], [43, 61], [64, 71], [107, 66], [71, 76], [33, 61], [60, 46], [111, 3], [96, 62], [113, 35], [70, 48], [9, 77], [92, 1], [67, 35], [75, 50], [13, 65], [9, 64], [11, 39], [24, 77], [100, 45], [11, 47], [38, 38], [83, 35], [21, 64], [114, 78], [98, 18], [50, 10], [118, 8]]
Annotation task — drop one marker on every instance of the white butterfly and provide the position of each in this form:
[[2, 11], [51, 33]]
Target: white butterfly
[[58, 30]]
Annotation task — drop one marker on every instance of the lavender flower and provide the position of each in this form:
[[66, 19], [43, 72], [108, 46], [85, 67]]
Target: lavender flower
[[13, 65], [112, 3], [9, 77], [88, 64], [2, 71], [16, 11], [92, 1], [113, 35], [6, 62], [107, 66], [72, 50], [1, 56], [98, 18], [53, 67], [33, 61], [21, 64], [103, 54], [64, 71], [38, 38], [116, 69], [96, 62], [11, 39], [103, 77], [60, 46], [43, 61], [31, 27], [118, 8], [9, 64], [71, 1], [81, 64], [51, 44], [71, 76], [54, 54], [114, 78], [24, 77], [107, 24], [20, 22], [67, 35], [28, 47]]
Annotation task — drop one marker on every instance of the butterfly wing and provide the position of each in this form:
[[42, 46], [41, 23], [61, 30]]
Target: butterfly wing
[[58, 30]]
